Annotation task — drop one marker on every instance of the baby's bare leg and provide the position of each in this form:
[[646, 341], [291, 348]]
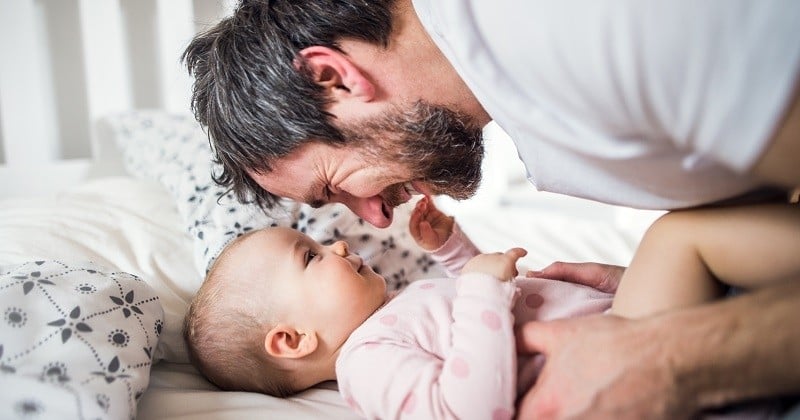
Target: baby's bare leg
[[687, 257]]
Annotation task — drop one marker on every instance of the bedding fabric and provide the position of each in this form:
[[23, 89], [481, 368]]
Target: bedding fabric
[[122, 223], [76, 341]]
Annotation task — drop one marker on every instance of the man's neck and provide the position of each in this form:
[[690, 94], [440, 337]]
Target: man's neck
[[413, 67]]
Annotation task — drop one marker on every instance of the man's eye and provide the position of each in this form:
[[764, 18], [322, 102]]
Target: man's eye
[[309, 256]]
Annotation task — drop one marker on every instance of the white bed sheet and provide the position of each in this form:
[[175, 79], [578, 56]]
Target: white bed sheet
[[178, 392]]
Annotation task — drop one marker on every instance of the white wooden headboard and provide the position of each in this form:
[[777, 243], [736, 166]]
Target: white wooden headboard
[[66, 63]]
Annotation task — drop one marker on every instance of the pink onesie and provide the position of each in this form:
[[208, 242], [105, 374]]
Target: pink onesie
[[444, 348]]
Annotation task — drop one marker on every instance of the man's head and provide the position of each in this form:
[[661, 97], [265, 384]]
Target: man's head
[[423, 150], [280, 77], [248, 90], [275, 307]]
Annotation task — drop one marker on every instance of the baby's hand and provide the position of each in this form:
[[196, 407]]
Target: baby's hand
[[500, 265], [429, 226]]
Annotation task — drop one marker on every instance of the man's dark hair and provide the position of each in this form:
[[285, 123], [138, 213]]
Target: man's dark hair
[[249, 93]]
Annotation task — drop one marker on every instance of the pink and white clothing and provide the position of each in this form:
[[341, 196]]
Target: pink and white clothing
[[444, 348]]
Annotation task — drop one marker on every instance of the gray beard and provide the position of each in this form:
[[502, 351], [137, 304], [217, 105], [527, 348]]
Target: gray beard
[[436, 145]]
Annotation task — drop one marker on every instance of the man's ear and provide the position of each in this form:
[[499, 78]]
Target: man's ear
[[340, 77], [285, 341]]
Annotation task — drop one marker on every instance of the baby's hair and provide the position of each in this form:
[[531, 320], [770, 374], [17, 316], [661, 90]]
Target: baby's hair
[[224, 330]]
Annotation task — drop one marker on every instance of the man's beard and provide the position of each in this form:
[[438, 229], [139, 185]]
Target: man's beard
[[438, 146]]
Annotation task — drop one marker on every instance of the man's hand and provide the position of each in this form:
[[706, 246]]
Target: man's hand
[[603, 277], [429, 226], [597, 367], [602, 367]]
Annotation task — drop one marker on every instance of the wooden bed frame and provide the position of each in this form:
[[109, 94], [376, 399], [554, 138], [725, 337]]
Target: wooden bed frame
[[68, 63]]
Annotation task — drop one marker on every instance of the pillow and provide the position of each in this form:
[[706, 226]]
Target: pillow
[[76, 341], [174, 150], [122, 223]]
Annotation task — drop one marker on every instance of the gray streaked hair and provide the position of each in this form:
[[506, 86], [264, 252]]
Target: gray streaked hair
[[253, 94]]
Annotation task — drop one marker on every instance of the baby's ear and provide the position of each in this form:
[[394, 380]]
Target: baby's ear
[[285, 341]]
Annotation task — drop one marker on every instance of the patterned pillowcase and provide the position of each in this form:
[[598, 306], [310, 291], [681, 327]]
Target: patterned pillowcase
[[174, 150], [76, 341]]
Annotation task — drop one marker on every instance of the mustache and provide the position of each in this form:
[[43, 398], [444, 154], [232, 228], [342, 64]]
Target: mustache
[[447, 149], [393, 195], [435, 144]]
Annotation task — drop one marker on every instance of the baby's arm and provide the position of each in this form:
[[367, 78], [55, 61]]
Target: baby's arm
[[475, 379], [438, 234], [687, 257]]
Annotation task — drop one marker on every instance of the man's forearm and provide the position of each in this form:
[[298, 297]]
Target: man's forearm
[[738, 349]]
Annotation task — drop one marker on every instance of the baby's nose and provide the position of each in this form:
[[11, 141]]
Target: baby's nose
[[341, 248]]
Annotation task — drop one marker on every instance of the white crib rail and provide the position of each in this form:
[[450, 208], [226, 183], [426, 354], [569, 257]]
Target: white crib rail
[[66, 63]]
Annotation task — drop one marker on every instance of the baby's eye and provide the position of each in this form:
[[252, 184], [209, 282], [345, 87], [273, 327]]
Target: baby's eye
[[309, 256]]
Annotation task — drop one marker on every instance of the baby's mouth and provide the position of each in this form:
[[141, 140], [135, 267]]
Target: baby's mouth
[[360, 262]]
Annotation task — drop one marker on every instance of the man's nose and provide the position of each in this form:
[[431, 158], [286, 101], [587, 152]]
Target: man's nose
[[371, 209]]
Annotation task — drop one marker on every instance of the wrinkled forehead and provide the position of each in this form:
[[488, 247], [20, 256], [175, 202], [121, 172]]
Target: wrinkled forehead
[[303, 174]]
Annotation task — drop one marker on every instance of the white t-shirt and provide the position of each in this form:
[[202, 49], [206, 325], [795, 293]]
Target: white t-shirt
[[648, 104]]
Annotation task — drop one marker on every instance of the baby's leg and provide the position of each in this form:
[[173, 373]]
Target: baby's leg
[[687, 257]]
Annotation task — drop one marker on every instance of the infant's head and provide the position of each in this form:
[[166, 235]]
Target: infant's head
[[274, 310]]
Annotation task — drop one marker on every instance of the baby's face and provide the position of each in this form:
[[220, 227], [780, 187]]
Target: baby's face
[[325, 288]]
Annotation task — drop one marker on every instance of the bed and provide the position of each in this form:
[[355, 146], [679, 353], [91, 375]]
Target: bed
[[161, 221], [109, 219]]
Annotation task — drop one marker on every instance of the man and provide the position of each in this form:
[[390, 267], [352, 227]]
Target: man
[[662, 105]]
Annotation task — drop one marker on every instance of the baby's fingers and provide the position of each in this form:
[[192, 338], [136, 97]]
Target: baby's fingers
[[516, 253], [428, 238], [414, 222], [417, 216]]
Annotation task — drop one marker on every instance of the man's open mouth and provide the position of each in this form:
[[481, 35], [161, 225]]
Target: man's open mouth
[[396, 195], [386, 209]]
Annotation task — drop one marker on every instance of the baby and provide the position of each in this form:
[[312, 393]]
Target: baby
[[279, 313]]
